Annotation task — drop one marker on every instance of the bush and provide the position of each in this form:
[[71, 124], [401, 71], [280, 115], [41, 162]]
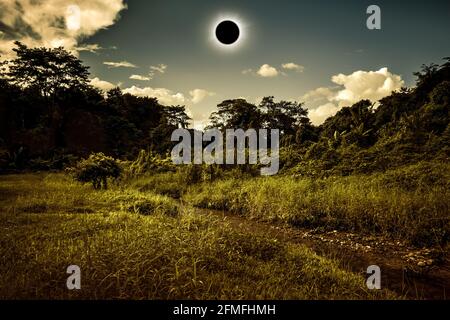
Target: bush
[[148, 162], [96, 169]]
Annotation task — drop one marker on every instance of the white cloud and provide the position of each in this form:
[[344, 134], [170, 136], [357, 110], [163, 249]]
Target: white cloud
[[161, 68], [93, 48], [103, 85], [198, 95], [320, 114], [293, 66], [319, 94], [54, 23], [247, 71], [140, 78], [121, 64], [267, 71], [164, 96], [373, 85]]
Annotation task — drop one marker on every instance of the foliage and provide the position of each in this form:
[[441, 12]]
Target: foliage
[[238, 114], [47, 70], [148, 162], [288, 117], [96, 169], [49, 107]]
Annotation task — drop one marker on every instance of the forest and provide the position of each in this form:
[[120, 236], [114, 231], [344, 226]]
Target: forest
[[51, 115], [87, 179]]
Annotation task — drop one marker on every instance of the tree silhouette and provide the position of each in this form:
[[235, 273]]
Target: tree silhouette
[[236, 114], [47, 70]]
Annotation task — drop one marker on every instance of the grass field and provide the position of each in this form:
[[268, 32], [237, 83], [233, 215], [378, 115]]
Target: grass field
[[410, 203], [133, 244]]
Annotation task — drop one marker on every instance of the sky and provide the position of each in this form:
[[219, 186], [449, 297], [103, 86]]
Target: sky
[[319, 52]]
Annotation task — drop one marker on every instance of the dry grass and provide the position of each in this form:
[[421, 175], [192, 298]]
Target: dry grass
[[48, 223]]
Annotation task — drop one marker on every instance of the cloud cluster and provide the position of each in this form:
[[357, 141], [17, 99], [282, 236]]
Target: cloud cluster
[[268, 71], [322, 113], [161, 68], [293, 66], [92, 48], [103, 85], [168, 97], [198, 95], [164, 96], [140, 77], [372, 85], [54, 23], [120, 64], [319, 95]]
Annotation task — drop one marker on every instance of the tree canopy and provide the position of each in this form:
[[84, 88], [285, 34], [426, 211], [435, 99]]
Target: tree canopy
[[49, 110]]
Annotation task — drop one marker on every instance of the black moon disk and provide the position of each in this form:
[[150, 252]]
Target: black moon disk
[[227, 32]]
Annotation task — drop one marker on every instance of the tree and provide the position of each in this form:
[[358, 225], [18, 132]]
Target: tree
[[48, 70], [393, 107], [177, 116], [307, 133], [236, 114], [441, 94], [428, 78], [287, 116], [3, 70]]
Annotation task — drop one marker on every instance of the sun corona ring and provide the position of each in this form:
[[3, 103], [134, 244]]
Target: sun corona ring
[[242, 32]]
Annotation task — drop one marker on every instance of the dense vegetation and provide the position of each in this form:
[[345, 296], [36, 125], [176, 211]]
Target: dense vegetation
[[50, 114], [409, 203], [375, 168]]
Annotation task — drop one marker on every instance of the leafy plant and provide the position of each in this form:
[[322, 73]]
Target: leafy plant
[[96, 169]]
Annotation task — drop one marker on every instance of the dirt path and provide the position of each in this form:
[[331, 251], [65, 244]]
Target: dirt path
[[410, 272]]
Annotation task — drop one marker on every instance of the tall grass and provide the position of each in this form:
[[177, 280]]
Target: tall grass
[[411, 203], [125, 254]]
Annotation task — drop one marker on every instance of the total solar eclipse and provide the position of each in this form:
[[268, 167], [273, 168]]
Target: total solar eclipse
[[227, 32]]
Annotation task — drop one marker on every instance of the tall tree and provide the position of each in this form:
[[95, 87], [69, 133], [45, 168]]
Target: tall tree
[[236, 113], [47, 70], [177, 116], [287, 116]]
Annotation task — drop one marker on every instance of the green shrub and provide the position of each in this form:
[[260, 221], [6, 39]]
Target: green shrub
[[148, 162], [96, 169]]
